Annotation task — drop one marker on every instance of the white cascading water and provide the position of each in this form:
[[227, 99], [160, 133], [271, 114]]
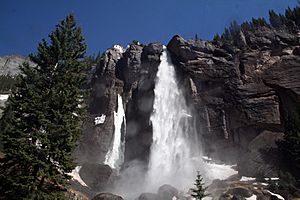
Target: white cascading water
[[172, 158], [175, 155], [115, 156]]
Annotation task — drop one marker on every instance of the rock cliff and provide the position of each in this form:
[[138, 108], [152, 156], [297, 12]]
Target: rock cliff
[[239, 93]]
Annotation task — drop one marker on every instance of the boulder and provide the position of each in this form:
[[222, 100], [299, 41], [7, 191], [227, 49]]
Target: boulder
[[107, 196], [253, 163], [96, 176], [240, 191], [148, 196], [167, 192]]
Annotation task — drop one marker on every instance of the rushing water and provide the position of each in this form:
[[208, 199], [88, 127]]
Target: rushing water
[[175, 155], [172, 152], [115, 156]]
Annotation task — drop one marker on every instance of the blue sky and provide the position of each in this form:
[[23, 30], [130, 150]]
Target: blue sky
[[23, 23]]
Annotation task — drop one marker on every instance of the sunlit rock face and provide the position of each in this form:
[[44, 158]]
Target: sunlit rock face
[[9, 65], [235, 93], [240, 91]]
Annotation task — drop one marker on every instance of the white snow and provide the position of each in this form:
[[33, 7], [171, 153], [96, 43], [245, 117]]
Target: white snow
[[220, 171], [253, 197], [118, 48], [38, 144], [4, 97], [277, 195], [100, 120], [272, 179], [245, 178], [76, 176], [206, 158]]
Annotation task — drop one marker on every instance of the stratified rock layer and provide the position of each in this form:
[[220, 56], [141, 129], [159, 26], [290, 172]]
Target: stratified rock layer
[[240, 92]]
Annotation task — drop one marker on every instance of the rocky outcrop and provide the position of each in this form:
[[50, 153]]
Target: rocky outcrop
[[165, 192], [9, 65], [240, 91], [107, 196], [140, 95], [96, 176], [102, 102]]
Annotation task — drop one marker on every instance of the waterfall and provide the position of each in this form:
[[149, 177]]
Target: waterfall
[[115, 156], [172, 157]]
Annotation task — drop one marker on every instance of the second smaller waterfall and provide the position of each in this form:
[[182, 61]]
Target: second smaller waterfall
[[115, 156]]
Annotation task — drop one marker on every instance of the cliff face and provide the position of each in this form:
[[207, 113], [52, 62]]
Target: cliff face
[[241, 92], [130, 74], [9, 65]]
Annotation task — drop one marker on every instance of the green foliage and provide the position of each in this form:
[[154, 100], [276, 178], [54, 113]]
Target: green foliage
[[290, 146], [286, 185], [6, 83], [199, 190], [41, 122], [92, 60], [293, 15], [232, 32], [276, 20], [288, 20], [135, 42], [259, 22], [216, 38]]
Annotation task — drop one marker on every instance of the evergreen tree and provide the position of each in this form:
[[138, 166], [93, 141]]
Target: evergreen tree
[[41, 122], [289, 147], [199, 190], [275, 19], [216, 38]]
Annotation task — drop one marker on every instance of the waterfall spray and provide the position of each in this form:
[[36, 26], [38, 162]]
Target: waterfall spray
[[171, 157], [175, 155]]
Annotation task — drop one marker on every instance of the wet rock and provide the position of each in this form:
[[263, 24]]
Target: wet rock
[[107, 196], [167, 192], [148, 196], [239, 192], [252, 163], [96, 176]]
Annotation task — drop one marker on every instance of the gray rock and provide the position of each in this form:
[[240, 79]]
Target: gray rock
[[167, 192], [252, 163], [96, 176], [148, 196], [107, 196], [240, 191], [9, 65]]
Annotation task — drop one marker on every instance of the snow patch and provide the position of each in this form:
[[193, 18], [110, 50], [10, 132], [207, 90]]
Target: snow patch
[[4, 97], [272, 179], [118, 48], [253, 197], [100, 120], [220, 171], [245, 178], [277, 195], [206, 158], [76, 176]]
